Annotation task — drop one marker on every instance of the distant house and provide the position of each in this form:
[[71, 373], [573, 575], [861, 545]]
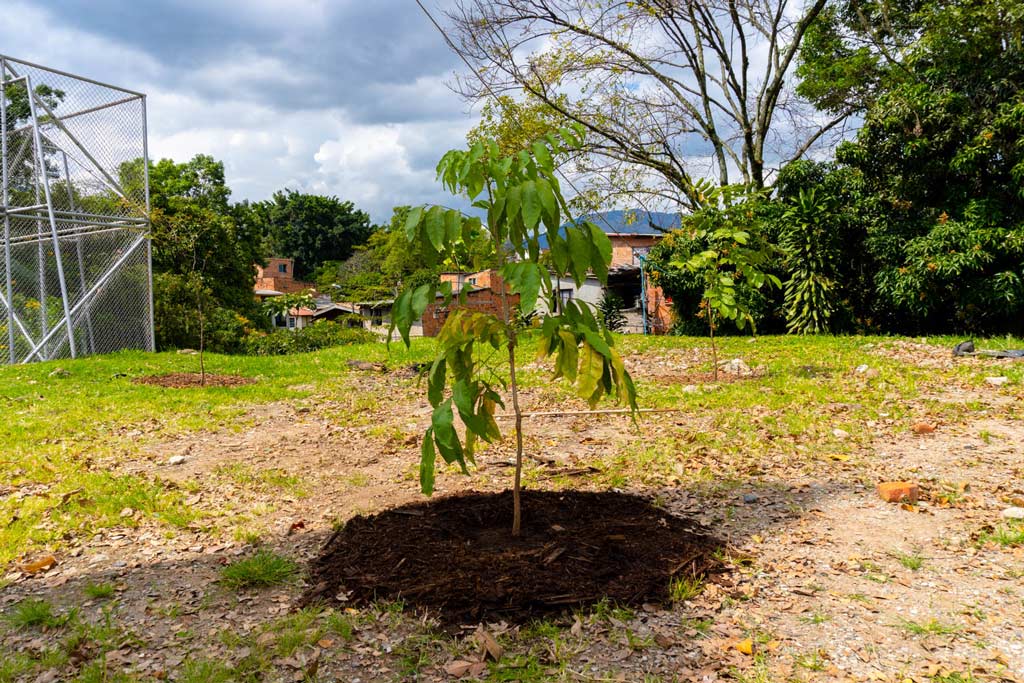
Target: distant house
[[298, 318], [482, 293], [277, 278], [632, 233]]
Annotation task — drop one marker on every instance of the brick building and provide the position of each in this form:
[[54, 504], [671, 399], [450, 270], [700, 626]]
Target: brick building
[[483, 293], [278, 277]]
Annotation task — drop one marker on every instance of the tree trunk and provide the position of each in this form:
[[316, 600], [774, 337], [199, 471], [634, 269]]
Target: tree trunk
[[202, 345], [714, 349], [517, 516]]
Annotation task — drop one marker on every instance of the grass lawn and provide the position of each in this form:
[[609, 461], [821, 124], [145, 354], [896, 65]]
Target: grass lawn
[[790, 451]]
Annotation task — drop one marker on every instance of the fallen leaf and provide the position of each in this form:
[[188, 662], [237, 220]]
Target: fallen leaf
[[458, 668], [745, 646], [42, 564], [488, 645], [325, 643], [923, 428]]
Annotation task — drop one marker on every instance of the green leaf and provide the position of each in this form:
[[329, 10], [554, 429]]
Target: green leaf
[[579, 254], [524, 279], [447, 439], [435, 381], [427, 458], [401, 317], [435, 227], [453, 225], [601, 242], [412, 223], [421, 297], [513, 201], [549, 204], [568, 356], [542, 155], [591, 370], [531, 205]]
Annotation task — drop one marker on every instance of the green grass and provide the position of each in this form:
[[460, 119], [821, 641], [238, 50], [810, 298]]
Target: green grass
[[685, 588], [264, 568], [912, 561], [932, 627], [60, 429], [206, 671], [67, 434], [269, 480], [99, 591], [34, 613], [1010, 535]]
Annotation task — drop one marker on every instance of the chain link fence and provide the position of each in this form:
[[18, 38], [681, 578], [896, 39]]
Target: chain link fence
[[75, 272]]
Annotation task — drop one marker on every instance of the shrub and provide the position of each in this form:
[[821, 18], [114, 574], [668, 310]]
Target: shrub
[[610, 312], [319, 335]]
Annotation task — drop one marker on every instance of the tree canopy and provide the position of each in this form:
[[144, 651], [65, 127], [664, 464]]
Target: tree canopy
[[666, 92]]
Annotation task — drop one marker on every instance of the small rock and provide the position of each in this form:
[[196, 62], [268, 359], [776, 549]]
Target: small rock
[[690, 389], [871, 373], [176, 460], [840, 433], [736, 366], [861, 369], [898, 492], [749, 498], [119, 564], [127, 512], [1013, 513], [996, 381], [60, 372]]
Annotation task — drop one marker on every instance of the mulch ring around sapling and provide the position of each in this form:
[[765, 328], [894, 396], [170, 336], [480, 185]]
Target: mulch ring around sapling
[[183, 380], [455, 557]]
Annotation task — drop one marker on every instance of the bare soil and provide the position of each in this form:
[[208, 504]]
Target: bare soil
[[455, 558], [824, 593], [184, 380]]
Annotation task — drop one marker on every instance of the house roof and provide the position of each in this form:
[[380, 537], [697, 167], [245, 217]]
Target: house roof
[[631, 222], [336, 306]]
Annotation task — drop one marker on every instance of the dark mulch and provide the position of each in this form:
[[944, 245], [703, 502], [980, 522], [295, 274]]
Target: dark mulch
[[456, 557], [182, 380]]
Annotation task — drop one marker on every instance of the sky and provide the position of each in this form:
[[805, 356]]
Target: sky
[[338, 97]]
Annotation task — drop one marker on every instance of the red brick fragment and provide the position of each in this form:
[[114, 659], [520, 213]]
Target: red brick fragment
[[898, 491]]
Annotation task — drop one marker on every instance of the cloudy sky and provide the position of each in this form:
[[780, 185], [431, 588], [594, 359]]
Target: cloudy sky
[[343, 97]]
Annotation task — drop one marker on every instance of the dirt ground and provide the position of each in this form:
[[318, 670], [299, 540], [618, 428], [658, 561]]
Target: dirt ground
[[827, 581]]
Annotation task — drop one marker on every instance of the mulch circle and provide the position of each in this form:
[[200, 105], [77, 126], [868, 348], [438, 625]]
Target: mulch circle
[[182, 380], [456, 558]]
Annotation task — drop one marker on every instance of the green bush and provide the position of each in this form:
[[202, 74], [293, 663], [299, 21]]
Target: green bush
[[319, 335], [686, 289]]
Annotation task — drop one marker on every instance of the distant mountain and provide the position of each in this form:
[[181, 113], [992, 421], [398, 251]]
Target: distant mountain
[[634, 222]]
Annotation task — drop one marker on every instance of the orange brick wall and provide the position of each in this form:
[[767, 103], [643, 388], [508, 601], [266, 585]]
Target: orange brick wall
[[623, 245], [484, 301]]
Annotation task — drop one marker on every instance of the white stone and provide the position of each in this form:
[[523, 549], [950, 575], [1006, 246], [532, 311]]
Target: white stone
[[862, 368], [840, 433], [176, 460], [1013, 513], [996, 381]]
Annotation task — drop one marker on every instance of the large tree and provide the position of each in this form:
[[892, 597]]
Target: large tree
[[940, 156], [312, 229], [200, 254], [667, 92]]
